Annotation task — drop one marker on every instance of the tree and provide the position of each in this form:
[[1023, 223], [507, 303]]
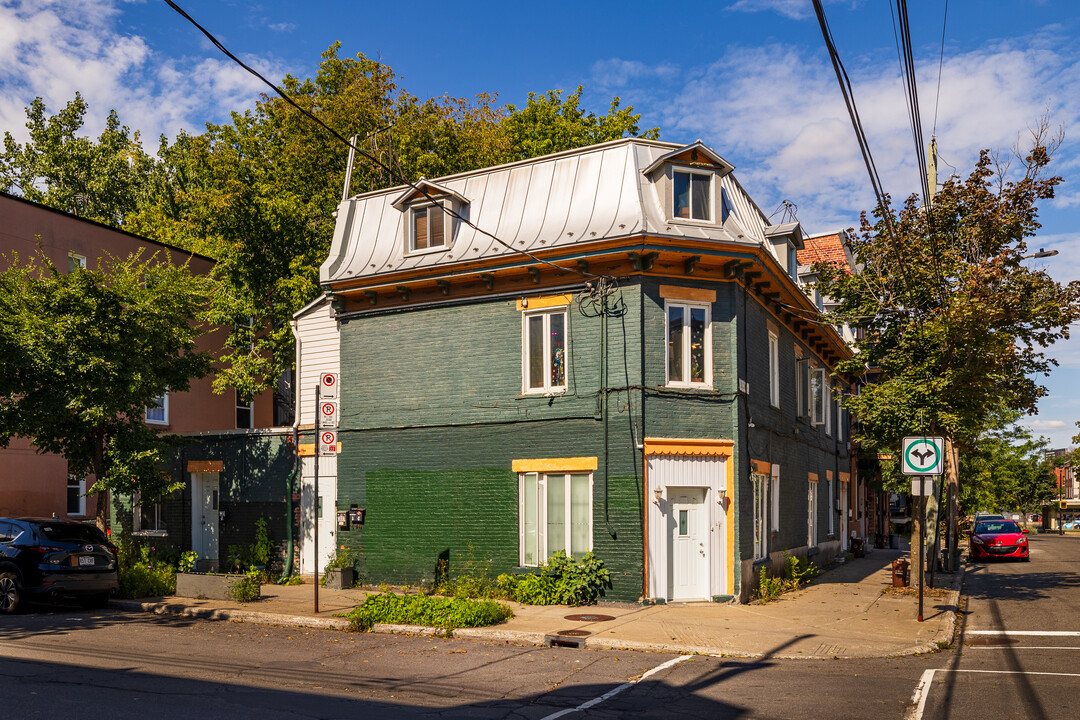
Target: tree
[[954, 323], [1007, 470], [103, 180], [82, 355]]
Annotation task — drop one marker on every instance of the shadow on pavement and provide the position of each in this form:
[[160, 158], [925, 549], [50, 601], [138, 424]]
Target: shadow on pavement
[[36, 620]]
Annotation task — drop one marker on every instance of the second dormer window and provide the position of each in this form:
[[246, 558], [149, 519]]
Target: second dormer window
[[692, 195], [428, 228]]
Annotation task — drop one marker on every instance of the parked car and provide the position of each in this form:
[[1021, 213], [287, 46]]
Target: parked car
[[998, 539], [50, 558]]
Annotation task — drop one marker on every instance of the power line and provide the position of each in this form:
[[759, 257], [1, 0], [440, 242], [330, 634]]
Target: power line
[[405, 181], [941, 62]]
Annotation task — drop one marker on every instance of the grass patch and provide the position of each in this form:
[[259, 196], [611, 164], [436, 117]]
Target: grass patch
[[440, 612]]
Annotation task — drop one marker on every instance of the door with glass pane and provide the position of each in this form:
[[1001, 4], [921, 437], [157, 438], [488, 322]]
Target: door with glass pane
[[689, 544]]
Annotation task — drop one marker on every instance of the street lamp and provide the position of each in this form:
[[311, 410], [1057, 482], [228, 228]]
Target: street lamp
[[1041, 254]]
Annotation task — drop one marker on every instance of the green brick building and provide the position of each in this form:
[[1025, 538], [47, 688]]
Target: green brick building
[[605, 349]]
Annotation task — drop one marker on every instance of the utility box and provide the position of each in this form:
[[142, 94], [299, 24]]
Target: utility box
[[343, 519]]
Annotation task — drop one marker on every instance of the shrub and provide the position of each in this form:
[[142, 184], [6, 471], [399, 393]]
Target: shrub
[[562, 581], [292, 580], [246, 588], [187, 561], [442, 612], [141, 574]]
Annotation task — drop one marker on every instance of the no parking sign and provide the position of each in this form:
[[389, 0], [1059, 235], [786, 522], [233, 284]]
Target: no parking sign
[[327, 443]]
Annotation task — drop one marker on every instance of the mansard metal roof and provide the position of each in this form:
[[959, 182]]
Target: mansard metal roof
[[572, 198]]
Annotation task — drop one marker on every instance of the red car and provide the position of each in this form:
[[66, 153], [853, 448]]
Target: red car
[[998, 539]]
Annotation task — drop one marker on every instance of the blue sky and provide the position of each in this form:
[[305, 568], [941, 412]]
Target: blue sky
[[749, 77]]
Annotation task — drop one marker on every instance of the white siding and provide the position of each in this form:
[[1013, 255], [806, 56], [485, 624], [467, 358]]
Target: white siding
[[320, 351]]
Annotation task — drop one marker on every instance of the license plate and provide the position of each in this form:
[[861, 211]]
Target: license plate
[[86, 560]]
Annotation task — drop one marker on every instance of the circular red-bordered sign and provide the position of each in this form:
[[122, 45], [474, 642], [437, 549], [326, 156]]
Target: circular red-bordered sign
[[328, 408], [329, 379], [328, 438]]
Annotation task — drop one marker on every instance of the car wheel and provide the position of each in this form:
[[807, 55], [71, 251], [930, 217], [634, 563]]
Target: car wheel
[[10, 592]]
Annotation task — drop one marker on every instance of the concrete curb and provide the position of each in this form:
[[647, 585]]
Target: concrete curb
[[251, 616]]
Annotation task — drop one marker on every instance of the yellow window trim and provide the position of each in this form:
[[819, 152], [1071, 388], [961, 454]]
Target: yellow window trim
[[675, 292], [845, 477], [761, 467], [572, 464], [812, 477], [828, 474], [688, 446], [544, 301]]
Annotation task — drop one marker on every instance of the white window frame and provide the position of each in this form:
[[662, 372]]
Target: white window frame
[[811, 512], [774, 369], [547, 387], [829, 407], [817, 393], [435, 210], [832, 512], [164, 406], [543, 479], [687, 344], [250, 407], [159, 529], [802, 387], [759, 482], [76, 262], [710, 214], [80, 484], [774, 498]]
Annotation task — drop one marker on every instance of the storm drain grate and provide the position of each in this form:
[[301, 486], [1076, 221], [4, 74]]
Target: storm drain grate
[[575, 640]]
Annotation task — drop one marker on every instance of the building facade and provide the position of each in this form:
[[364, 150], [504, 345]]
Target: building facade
[[605, 350]]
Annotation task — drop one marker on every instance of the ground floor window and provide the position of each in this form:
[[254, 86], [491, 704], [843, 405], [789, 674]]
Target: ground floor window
[[812, 513], [554, 514], [761, 484], [76, 495], [147, 518]]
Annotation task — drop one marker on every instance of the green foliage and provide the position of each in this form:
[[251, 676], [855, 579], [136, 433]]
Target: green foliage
[[261, 549], [799, 570], [247, 588], [1006, 470], [293, 580], [343, 557], [472, 577], [954, 320], [795, 573], [769, 588], [562, 581], [83, 354], [187, 561], [442, 612], [143, 573]]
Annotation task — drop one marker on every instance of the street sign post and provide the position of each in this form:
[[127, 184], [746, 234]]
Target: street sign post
[[923, 456]]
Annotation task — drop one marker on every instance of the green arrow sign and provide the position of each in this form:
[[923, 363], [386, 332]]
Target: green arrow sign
[[923, 456]]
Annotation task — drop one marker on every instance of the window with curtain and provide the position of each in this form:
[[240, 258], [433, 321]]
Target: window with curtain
[[689, 345], [544, 351], [555, 514], [692, 193]]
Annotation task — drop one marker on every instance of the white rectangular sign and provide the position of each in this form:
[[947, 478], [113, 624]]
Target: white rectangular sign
[[328, 385], [923, 456], [327, 443], [328, 413], [922, 486]]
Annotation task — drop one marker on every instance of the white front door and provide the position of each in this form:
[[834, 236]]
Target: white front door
[[689, 544], [327, 521], [205, 517]]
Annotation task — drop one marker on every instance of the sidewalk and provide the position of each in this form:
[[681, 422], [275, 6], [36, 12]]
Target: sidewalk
[[843, 613]]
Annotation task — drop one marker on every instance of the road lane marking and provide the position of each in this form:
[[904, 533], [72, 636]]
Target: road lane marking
[[921, 694], [612, 693], [1039, 633], [1021, 647]]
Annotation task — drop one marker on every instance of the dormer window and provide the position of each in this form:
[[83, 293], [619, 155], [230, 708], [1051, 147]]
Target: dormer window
[[428, 228], [692, 199]]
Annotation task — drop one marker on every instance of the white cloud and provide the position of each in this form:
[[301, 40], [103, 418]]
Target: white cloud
[[1045, 425], [613, 73], [794, 9], [55, 48]]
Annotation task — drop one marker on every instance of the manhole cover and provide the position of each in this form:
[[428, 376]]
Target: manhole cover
[[574, 633], [991, 641], [589, 618]]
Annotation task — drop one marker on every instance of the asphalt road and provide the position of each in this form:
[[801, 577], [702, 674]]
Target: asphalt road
[[64, 662]]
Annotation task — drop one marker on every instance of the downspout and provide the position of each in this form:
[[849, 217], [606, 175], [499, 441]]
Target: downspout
[[604, 400], [287, 569]]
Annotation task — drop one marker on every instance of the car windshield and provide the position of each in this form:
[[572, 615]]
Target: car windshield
[[996, 527], [72, 532]]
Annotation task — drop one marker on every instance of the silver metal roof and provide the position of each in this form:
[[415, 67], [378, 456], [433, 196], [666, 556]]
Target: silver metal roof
[[569, 198]]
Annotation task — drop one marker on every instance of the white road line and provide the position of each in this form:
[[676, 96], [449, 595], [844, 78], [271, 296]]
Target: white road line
[[918, 699], [1039, 633], [612, 693]]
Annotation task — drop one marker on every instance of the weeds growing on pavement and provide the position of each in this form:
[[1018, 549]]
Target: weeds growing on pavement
[[442, 612]]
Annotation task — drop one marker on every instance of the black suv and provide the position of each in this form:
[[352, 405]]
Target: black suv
[[50, 558]]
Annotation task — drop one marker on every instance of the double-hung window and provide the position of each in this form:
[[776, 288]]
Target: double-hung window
[[774, 369], [554, 514], [692, 195], [76, 495], [689, 345], [544, 351], [812, 511], [802, 387], [774, 497], [819, 396], [427, 228], [760, 482], [147, 518], [245, 413], [158, 413]]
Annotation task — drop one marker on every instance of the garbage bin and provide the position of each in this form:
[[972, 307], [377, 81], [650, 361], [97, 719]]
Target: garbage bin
[[901, 570], [858, 547]]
